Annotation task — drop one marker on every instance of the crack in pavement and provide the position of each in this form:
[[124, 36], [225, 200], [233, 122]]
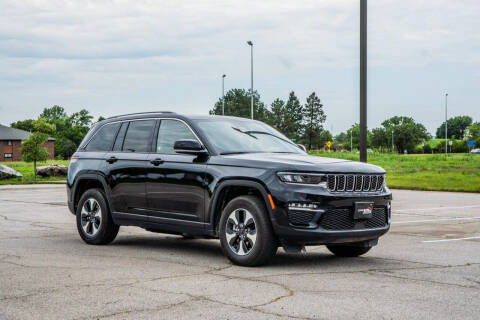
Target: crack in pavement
[[160, 308]]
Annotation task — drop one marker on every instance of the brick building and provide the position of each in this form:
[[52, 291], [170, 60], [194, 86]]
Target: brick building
[[11, 142]]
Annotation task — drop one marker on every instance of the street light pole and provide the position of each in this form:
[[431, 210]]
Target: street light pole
[[250, 43], [392, 141], [363, 80], [351, 140], [446, 126], [223, 94]]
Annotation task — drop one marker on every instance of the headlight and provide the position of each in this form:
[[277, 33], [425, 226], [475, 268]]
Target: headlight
[[303, 178]]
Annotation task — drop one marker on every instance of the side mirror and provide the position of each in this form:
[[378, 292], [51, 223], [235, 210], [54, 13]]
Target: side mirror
[[301, 146], [189, 146]]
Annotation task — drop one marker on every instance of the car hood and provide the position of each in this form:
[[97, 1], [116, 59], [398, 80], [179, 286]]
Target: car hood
[[296, 162]]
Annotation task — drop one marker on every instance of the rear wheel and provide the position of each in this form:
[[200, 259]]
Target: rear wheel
[[94, 222], [348, 250], [246, 235]]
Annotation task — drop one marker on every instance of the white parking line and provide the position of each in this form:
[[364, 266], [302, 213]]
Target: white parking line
[[457, 239], [436, 220]]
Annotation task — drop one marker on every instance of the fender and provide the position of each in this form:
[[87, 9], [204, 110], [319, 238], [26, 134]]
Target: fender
[[91, 176], [238, 183]]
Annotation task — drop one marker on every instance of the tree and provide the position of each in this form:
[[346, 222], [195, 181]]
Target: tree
[[293, 116], [32, 148], [237, 104], [339, 139], [472, 133], [26, 125], [379, 139], [407, 133], [277, 109], [314, 117], [70, 130], [456, 127]]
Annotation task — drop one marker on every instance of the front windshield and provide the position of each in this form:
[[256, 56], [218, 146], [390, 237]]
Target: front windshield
[[232, 136]]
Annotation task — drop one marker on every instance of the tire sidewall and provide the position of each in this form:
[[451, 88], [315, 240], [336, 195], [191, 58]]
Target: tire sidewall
[[262, 226], [99, 237]]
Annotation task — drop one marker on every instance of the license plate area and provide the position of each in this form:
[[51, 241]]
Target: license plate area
[[363, 210]]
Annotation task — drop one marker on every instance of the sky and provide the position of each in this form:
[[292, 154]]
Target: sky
[[114, 57]]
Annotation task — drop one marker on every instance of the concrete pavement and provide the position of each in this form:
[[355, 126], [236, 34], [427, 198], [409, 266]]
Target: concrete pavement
[[427, 266]]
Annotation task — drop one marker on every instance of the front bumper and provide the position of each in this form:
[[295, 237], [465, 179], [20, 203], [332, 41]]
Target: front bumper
[[318, 230]]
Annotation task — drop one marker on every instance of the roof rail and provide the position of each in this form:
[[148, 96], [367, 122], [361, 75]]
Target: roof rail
[[131, 114]]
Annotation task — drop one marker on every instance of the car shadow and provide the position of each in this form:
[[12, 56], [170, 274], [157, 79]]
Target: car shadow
[[210, 249]]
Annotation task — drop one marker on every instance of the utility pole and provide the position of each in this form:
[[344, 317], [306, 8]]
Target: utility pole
[[223, 94], [446, 125], [363, 80], [250, 43]]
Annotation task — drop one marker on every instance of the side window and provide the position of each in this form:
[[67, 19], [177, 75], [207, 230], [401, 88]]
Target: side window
[[169, 132], [103, 139], [139, 136], [120, 136]]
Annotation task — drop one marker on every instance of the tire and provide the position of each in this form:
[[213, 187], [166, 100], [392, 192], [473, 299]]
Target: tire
[[251, 244], [99, 216], [348, 251]]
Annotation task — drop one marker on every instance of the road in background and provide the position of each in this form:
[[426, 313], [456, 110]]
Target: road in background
[[427, 266]]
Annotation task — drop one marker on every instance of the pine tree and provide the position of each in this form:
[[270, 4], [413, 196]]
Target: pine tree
[[314, 117], [293, 116]]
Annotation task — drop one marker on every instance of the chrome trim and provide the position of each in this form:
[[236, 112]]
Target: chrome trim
[[305, 209], [144, 119]]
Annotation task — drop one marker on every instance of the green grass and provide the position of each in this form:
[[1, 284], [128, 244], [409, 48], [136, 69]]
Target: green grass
[[457, 172], [26, 169]]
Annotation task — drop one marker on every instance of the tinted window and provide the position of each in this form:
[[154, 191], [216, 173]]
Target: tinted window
[[139, 134], [103, 139], [169, 132], [121, 134]]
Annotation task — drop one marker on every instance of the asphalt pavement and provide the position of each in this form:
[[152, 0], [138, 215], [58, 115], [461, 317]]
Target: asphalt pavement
[[426, 267]]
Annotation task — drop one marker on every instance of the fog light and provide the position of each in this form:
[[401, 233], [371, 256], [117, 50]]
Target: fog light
[[298, 205]]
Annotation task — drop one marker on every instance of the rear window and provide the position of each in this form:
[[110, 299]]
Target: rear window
[[103, 139], [139, 136]]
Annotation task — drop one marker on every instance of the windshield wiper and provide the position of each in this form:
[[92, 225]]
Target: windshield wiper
[[267, 133], [245, 132]]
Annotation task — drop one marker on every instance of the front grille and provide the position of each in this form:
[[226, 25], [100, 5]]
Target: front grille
[[300, 218], [342, 219], [355, 182]]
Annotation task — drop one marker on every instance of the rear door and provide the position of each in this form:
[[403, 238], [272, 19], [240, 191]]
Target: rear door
[[175, 182], [125, 166]]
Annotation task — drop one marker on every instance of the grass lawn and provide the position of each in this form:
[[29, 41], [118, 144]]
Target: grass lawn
[[458, 172], [26, 169]]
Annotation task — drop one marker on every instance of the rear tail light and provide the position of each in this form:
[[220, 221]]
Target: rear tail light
[[73, 159]]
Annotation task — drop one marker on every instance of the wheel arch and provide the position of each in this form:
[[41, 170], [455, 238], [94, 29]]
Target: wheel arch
[[230, 189], [89, 181]]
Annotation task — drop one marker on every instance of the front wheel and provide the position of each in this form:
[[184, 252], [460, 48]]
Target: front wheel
[[348, 251], [246, 234]]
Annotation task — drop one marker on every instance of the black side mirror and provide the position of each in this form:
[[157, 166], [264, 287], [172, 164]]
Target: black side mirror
[[189, 146], [302, 147]]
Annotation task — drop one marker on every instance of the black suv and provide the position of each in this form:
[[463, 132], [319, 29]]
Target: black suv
[[222, 177]]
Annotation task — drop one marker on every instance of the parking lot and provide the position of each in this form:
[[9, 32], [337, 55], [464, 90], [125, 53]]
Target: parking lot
[[426, 267]]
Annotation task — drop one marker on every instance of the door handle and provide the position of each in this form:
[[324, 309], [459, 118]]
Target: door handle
[[112, 160], [156, 162]]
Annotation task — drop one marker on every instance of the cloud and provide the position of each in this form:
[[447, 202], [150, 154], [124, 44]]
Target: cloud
[[118, 56]]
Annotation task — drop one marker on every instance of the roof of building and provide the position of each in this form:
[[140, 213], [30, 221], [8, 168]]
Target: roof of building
[[8, 133]]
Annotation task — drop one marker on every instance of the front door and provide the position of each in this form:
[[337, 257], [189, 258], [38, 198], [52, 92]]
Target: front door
[[175, 182]]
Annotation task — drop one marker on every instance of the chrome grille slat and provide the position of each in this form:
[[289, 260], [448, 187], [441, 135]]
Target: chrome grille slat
[[355, 182]]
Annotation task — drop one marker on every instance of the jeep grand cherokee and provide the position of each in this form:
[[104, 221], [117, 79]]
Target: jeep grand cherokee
[[230, 178]]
